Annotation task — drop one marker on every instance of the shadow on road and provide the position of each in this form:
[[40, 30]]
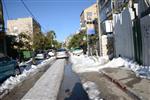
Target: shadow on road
[[77, 93]]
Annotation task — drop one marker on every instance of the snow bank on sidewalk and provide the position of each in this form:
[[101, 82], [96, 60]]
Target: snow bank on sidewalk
[[140, 71], [83, 63], [11, 82], [26, 62], [92, 90]]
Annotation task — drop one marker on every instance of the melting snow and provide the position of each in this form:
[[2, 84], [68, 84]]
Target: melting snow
[[11, 82], [84, 63], [92, 90]]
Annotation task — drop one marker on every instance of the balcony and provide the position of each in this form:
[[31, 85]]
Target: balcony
[[106, 10]]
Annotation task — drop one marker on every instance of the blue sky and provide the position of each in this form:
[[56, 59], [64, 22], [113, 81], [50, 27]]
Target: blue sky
[[62, 16]]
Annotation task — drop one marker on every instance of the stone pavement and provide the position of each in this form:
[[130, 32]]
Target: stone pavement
[[139, 86]]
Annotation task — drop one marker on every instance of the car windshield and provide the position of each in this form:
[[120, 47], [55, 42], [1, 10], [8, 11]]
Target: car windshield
[[77, 48], [59, 50]]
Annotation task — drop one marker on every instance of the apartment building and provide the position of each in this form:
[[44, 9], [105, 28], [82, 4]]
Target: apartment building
[[28, 26], [88, 18], [88, 23]]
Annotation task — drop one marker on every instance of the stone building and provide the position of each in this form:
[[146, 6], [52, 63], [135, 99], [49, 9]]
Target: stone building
[[88, 18], [89, 24], [28, 26]]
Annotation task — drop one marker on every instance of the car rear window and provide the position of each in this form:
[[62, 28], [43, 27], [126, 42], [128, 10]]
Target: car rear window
[[59, 50]]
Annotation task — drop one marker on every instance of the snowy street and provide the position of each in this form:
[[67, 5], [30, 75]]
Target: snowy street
[[79, 78], [74, 49]]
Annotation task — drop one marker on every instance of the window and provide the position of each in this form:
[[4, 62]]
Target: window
[[15, 29], [89, 15]]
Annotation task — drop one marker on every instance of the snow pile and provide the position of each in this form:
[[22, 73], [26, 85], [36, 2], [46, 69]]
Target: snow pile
[[83, 63], [140, 71], [25, 63], [92, 90], [115, 63], [12, 82]]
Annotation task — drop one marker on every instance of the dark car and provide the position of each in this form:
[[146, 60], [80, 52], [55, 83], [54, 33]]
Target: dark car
[[8, 67]]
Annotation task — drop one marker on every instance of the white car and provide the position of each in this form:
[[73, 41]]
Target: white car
[[62, 53], [40, 56], [77, 51], [51, 54]]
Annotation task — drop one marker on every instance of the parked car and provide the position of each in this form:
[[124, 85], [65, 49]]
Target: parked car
[[62, 53], [40, 56], [51, 53], [8, 67], [77, 51]]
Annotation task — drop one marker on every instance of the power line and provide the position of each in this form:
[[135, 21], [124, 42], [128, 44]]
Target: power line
[[31, 13]]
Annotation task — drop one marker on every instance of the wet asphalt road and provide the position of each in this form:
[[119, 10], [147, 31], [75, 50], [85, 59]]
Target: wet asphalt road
[[71, 87]]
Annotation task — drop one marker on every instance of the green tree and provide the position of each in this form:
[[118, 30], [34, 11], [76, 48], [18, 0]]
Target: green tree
[[38, 41], [50, 39], [78, 41], [22, 41]]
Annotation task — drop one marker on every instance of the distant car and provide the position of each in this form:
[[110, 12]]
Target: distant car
[[77, 51], [8, 67], [51, 53], [40, 56], [62, 53]]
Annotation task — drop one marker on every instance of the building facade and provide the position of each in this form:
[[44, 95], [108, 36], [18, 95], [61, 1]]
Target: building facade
[[28, 26], [89, 24], [88, 18], [105, 28]]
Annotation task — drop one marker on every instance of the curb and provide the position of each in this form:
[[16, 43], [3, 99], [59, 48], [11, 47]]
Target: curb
[[122, 86]]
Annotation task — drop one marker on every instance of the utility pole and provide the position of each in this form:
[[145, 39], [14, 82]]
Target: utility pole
[[99, 27], [2, 31]]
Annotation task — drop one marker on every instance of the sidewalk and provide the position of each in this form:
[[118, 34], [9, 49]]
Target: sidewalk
[[140, 87]]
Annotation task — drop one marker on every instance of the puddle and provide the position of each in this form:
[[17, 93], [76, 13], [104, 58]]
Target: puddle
[[71, 87]]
